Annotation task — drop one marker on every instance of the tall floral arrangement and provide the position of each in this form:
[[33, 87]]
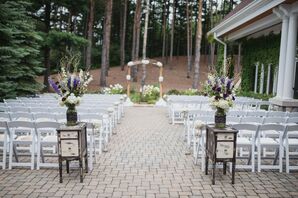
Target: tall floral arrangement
[[71, 83], [221, 93]]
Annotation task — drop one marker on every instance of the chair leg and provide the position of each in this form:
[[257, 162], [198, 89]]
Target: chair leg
[[259, 158], [11, 151], [252, 159], [4, 154], [39, 150], [32, 153], [287, 159], [280, 158]]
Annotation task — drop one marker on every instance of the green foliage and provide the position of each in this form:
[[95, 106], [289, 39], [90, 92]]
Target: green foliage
[[263, 50], [220, 59], [19, 51], [173, 92], [251, 94]]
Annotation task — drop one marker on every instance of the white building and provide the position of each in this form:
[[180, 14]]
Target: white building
[[258, 17]]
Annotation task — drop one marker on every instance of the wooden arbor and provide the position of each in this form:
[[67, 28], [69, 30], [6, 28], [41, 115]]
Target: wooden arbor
[[146, 62]]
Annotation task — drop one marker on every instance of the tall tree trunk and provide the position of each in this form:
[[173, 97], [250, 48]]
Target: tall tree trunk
[[188, 40], [136, 41], [172, 34], [164, 24], [106, 42], [47, 50], [123, 35], [145, 42], [90, 34], [198, 47]]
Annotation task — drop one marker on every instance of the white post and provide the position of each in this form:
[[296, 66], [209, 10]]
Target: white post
[[262, 79], [288, 91], [268, 79], [274, 89], [256, 78], [282, 13]]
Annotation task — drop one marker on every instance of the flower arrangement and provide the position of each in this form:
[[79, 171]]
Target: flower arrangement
[[149, 90], [71, 83], [221, 92], [113, 89]]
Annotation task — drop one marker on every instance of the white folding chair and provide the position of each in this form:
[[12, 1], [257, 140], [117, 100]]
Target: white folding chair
[[292, 114], [256, 113], [21, 117], [21, 133], [292, 120], [251, 120], [4, 116], [233, 120], [39, 110], [4, 141], [95, 138], [275, 120], [270, 142], [247, 141], [19, 109], [277, 114], [291, 143], [46, 137], [44, 117]]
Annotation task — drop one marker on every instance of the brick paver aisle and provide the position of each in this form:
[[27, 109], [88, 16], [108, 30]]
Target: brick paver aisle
[[146, 159]]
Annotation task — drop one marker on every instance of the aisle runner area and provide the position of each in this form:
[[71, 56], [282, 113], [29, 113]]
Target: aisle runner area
[[146, 158]]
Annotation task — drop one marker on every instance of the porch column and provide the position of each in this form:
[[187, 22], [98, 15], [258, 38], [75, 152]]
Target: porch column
[[282, 56], [290, 58]]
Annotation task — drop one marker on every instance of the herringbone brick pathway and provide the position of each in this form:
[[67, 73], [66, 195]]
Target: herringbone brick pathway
[[146, 158]]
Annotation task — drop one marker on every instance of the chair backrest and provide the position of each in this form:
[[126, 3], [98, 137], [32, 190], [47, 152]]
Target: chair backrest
[[272, 128], [277, 114], [236, 113], [292, 114], [39, 110], [276, 120], [22, 127], [21, 116], [293, 120], [39, 117], [252, 129], [19, 109], [292, 130], [4, 116], [61, 117], [257, 113], [233, 120], [252, 120], [205, 119], [48, 127]]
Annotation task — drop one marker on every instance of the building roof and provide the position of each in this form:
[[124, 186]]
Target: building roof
[[239, 7]]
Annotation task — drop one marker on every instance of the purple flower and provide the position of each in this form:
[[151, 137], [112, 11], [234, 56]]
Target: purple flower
[[69, 83], [55, 87], [229, 84], [218, 89]]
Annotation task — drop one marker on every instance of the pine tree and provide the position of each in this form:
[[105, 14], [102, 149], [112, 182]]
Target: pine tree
[[19, 51]]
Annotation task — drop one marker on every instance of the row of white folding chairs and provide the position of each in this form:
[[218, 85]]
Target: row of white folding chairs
[[118, 107], [61, 118], [116, 110], [258, 139], [36, 137], [190, 122]]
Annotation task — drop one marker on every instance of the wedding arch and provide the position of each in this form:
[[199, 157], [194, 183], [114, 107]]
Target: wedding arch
[[145, 62]]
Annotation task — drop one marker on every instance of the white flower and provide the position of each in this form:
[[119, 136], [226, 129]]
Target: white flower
[[146, 62], [130, 63], [199, 124], [160, 79], [159, 64]]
